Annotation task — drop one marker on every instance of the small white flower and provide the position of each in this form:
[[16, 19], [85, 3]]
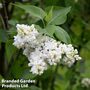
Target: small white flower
[[25, 30], [18, 42], [67, 61], [86, 82], [38, 66], [77, 57]]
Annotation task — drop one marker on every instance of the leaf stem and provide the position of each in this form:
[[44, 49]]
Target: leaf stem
[[54, 78], [43, 23], [2, 22]]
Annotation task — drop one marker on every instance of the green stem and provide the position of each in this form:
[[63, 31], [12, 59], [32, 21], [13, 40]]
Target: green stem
[[54, 78], [2, 22], [43, 23]]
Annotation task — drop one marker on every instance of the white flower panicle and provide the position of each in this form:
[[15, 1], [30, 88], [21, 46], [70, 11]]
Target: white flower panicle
[[42, 50], [86, 82]]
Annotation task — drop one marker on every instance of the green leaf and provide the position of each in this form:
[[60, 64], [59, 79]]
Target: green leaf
[[3, 36], [49, 15], [34, 88], [40, 29], [12, 32], [61, 83], [28, 75], [62, 35], [33, 10], [18, 65], [10, 50], [1, 78], [13, 22], [50, 30], [59, 16]]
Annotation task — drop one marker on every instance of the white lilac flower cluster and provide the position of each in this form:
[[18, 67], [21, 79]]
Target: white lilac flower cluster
[[86, 82], [42, 50]]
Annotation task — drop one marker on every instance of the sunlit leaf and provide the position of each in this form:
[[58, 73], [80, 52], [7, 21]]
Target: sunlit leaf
[[59, 16], [49, 15], [62, 35], [50, 30]]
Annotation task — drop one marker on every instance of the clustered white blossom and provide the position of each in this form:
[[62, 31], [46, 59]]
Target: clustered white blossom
[[86, 82], [42, 50]]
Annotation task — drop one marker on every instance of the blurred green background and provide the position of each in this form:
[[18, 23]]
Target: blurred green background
[[14, 65]]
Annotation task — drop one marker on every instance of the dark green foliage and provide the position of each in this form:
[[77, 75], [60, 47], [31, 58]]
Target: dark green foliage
[[50, 17]]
